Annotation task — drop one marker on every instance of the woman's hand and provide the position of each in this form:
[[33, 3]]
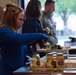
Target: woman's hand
[[47, 30]]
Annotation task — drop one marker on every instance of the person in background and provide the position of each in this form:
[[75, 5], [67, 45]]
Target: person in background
[[47, 21], [1, 13], [13, 44], [32, 23]]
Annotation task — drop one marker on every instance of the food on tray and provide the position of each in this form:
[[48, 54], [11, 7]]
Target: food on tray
[[59, 47], [52, 47], [70, 64]]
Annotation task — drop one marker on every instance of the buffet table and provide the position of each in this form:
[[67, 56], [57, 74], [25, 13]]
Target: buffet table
[[24, 71]]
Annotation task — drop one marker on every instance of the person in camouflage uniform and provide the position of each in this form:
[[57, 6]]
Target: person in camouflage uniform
[[47, 21]]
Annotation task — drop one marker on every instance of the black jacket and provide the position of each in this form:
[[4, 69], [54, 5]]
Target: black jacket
[[33, 25]]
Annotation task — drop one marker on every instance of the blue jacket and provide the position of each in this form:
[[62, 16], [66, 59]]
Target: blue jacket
[[13, 47]]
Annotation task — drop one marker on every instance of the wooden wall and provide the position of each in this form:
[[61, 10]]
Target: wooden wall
[[3, 2]]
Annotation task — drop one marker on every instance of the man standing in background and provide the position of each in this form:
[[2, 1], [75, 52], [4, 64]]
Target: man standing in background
[[47, 20]]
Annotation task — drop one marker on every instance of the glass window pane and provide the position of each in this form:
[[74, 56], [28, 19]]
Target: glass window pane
[[65, 18]]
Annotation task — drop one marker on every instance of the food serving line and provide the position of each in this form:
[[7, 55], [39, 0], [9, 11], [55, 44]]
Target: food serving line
[[67, 71], [25, 71]]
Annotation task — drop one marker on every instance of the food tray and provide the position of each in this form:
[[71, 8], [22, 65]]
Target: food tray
[[58, 50]]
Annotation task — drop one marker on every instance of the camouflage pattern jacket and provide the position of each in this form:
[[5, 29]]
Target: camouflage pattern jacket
[[47, 21]]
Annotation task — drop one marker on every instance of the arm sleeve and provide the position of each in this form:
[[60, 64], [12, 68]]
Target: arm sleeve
[[12, 38]]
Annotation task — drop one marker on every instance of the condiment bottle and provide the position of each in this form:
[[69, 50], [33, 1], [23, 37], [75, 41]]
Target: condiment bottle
[[36, 63], [60, 62], [50, 61]]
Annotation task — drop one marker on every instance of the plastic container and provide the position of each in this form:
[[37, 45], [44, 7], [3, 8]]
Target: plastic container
[[60, 62], [50, 62], [36, 63]]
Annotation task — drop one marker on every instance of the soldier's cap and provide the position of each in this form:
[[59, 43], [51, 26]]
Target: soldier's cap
[[52, 1]]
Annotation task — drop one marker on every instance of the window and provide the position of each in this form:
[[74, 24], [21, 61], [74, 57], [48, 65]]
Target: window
[[25, 3], [65, 18]]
